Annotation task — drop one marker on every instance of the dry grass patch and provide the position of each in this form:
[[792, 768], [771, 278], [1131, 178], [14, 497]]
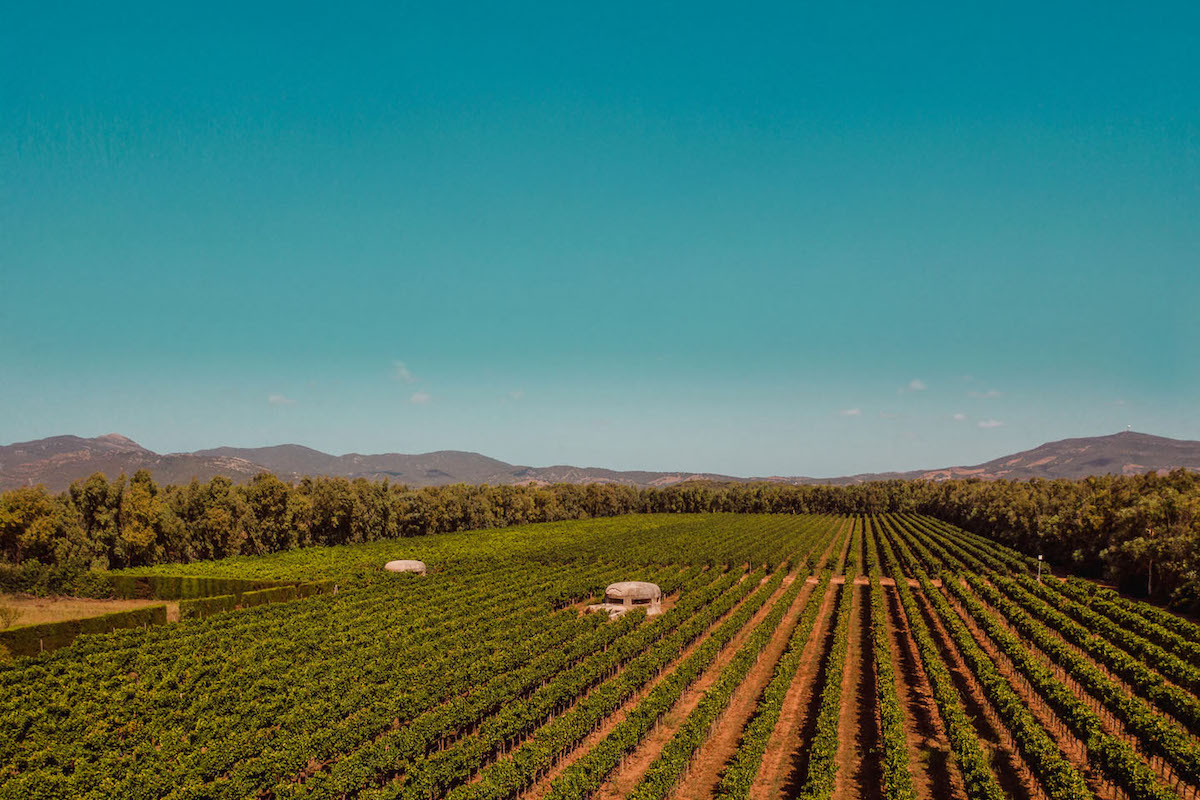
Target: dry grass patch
[[29, 610]]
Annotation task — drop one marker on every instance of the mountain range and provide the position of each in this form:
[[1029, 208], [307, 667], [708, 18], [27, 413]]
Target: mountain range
[[58, 460]]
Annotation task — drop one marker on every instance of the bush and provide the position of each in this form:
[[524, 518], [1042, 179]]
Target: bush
[[9, 616], [43, 580]]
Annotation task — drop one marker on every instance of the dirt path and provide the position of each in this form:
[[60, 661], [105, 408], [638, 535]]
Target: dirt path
[[1013, 774], [673, 718], [798, 715], [1070, 745], [541, 787], [712, 756], [859, 771], [783, 745], [1109, 720], [928, 746], [1111, 724], [634, 766]]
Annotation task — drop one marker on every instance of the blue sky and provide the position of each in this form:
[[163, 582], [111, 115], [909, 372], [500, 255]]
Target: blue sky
[[786, 240]]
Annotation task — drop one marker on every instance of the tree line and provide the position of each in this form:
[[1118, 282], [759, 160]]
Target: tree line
[[1142, 532]]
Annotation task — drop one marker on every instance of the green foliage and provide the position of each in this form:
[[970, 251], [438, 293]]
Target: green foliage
[[28, 640], [976, 771], [391, 687], [738, 776], [206, 606], [897, 772], [475, 681], [1142, 531]]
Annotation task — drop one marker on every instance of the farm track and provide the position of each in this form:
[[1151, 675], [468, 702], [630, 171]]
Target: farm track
[[859, 771], [542, 786], [1108, 672], [928, 746], [634, 765], [799, 714], [1014, 775], [1110, 722], [1071, 745], [499, 756], [783, 750], [710, 759]]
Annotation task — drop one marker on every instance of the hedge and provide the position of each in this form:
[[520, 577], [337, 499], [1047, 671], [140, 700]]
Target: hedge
[[206, 606], [185, 587], [28, 640], [261, 597]]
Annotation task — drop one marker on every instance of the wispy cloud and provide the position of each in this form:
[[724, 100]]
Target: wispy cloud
[[959, 417], [401, 373], [1119, 402], [888, 415], [916, 385], [517, 394], [989, 423], [990, 393], [851, 412], [280, 400], [420, 399]]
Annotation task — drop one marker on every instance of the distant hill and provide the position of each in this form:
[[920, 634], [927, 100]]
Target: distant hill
[[1126, 453], [58, 460]]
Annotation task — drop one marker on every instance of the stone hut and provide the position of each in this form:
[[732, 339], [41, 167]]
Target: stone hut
[[405, 565], [628, 595]]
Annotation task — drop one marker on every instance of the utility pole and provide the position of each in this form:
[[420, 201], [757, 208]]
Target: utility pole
[[1039, 568]]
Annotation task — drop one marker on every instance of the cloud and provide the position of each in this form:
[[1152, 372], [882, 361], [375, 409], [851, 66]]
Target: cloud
[[851, 412], [959, 417], [1119, 402], [990, 393], [401, 373], [517, 394], [280, 400], [420, 399], [990, 423], [916, 385], [888, 415]]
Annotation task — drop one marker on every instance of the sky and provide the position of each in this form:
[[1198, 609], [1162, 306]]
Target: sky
[[770, 239]]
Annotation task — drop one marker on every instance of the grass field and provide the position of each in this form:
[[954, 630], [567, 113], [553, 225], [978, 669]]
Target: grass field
[[801, 656], [35, 610]]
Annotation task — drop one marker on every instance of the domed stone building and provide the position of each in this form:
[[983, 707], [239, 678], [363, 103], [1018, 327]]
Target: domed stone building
[[625, 596], [406, 565]]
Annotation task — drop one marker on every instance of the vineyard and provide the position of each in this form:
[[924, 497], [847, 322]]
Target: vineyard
[[798, 656]]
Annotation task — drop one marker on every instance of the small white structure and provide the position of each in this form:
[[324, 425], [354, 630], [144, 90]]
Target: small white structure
[[628, 595], [404, 565]]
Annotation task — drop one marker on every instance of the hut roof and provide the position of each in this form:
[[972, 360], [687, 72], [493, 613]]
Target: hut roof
[[637, 590], [405, 565]]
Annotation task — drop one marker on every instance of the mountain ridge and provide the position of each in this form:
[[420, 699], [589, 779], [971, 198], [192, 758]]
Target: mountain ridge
[[56, 461]]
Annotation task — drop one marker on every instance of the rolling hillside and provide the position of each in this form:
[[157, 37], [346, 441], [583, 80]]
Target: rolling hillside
[[58, 460]]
